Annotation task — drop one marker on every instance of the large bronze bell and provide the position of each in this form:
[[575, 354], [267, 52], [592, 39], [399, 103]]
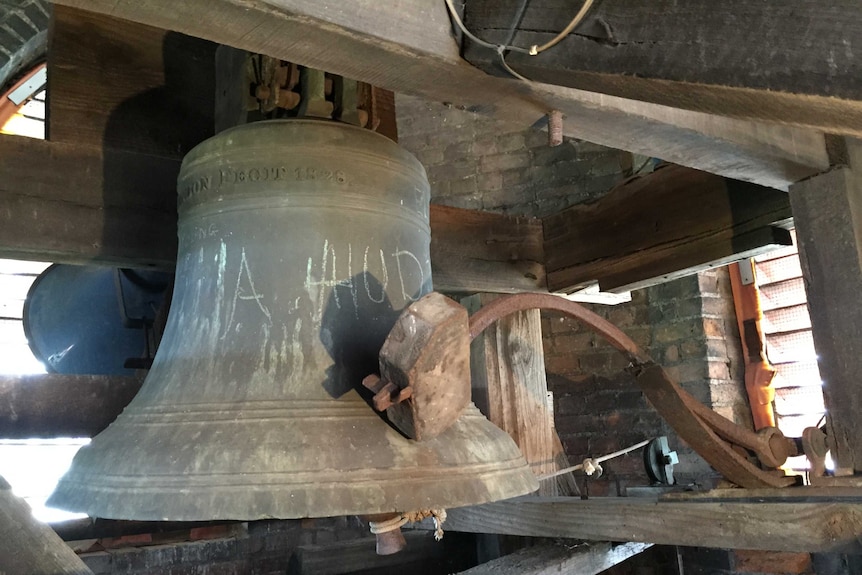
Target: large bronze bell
[[299, 244]]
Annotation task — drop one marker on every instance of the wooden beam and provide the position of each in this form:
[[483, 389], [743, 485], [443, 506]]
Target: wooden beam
[[507, 367], [828, 215], [125, 86], [753, 60], [54, 405], [80, 204], [407, 46], [580, 558], [667, 224], [29, 546], [801, 527], [481, 251]]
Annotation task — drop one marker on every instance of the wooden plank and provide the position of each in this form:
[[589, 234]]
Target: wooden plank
[[828, 215], [811, 527], [126, 86], [54, 405], [406, 46], [30, 546], [754, 60], [79, 204], [650, 228], [582, 558], [507, 367], [480, 251]]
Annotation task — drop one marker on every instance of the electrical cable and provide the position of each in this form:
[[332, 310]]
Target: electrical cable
[[457, 19], [534, 50]]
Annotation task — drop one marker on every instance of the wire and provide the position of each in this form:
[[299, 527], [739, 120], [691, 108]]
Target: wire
[[501, 51], [457, 19], [535, 50], [595, 460]]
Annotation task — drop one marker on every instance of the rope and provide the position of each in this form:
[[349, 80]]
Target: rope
[[378, 527], [593, 465], [439, 516]]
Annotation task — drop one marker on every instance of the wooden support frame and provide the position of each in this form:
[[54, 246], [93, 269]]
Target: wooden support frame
[[667, 224], [828, 217], [753, 60], [407, 46], [509, 384], [800, 527], [55, 405], [29, 546], [581, 558], [80, 204]]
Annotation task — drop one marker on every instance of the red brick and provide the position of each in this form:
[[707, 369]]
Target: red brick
[[210, 532], [126, 541], [713, 327], [771, 562]]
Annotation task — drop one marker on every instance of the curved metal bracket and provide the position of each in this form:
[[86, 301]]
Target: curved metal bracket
[[711, 435]]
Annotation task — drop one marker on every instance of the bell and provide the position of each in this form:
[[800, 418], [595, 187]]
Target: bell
[[299, 244]]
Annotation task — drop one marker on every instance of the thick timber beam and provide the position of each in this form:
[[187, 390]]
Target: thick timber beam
[[667, 224], [766, 61], [29, 546], [71, 203], [560, 557], [407, 46], [55, 405], [827, 210], [800, 527]]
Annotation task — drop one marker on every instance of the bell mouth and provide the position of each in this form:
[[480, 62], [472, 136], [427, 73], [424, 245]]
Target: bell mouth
[[373, 469]]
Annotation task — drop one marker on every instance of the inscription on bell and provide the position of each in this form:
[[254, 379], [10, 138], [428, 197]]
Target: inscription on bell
[[237, 176]]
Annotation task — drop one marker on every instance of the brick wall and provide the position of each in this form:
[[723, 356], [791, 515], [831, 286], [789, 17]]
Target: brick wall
[[478, 163], [689, 327]]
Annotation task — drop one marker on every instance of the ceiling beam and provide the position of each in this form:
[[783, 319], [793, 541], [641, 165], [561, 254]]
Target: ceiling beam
[[764, 61], [407, 46]]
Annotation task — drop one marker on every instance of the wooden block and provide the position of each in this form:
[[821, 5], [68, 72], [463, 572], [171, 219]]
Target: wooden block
[[475, 251]]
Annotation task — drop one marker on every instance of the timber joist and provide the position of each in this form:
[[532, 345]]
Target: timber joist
[[763, 61], [408, 47]]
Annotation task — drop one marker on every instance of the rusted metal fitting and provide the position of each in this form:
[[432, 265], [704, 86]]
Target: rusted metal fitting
[[555, 128], [386, 527]]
